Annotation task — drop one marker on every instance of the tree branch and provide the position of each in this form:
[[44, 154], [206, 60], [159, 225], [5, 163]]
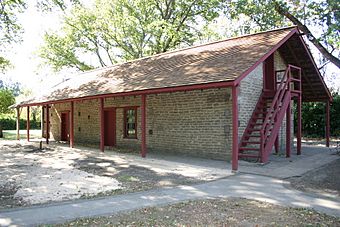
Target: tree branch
[[309, 34]]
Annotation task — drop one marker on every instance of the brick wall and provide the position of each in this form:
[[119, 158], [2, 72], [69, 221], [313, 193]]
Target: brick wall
[[280, 64], [194, 122], [249, 93]]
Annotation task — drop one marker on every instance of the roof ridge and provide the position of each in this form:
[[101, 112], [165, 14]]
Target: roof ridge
[[188, 48]]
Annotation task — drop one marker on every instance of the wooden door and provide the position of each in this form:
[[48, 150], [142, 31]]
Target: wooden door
[[65, 127], [110, 127], [269, 80]]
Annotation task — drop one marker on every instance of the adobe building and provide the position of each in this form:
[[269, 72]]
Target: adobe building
[[228, 100]]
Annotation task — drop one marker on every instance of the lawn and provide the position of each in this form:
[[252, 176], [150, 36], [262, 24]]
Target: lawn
[[12, 134]]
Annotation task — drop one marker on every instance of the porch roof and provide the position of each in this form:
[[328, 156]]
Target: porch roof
[[222, 61]]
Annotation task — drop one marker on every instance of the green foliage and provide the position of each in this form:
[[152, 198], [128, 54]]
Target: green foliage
[[121, 30], [9, 27], [313, 118], [261, 13], [9, 123], [6, 99]]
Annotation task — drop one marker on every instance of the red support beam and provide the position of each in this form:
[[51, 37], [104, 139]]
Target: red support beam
[[28, 124], [234, 153], [277, 144], [288, 130], [143, 121], [72, 125], [327, 123], [47, 124], [42, 121], [299, 125], [18, 122], [101, 111]]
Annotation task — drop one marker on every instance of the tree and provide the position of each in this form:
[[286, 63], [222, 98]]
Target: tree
[[121, 30], [308, 15], [6, 100], [9, 27], [11, 30], [314, 117]]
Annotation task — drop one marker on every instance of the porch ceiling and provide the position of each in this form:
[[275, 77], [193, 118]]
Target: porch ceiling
[[295, 52]]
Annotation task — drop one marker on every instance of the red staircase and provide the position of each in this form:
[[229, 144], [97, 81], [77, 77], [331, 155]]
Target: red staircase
[[263, 127]]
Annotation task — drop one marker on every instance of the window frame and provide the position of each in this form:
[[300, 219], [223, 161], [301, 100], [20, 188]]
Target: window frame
[[125, 110]]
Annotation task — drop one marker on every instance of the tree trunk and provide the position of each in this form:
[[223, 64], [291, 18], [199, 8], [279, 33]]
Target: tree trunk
[[309, 34]]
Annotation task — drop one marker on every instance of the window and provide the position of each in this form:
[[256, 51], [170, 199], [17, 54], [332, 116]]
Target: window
[[130, 122]]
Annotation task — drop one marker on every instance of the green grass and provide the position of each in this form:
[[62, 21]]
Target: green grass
[[12, 134]]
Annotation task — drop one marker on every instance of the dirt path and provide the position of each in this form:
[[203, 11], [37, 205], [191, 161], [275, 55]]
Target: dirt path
[[214, 212], [324, 180]]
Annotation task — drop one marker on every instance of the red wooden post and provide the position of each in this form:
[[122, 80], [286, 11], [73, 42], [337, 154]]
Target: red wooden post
[[143, 121], [299, 125], [277, 138], [47, 124], [288, 129], [42, 120], [234, 155], [28, 124], [18, 122], [277, 144], [72, 125], [327, 123], [288, 115], [101, 110]]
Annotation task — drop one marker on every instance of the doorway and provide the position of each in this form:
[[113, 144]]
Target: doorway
[[65, 126], [110, 127]]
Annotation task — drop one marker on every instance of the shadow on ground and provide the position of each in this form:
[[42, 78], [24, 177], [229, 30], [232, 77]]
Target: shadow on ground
[[325, 179], [132, 177]]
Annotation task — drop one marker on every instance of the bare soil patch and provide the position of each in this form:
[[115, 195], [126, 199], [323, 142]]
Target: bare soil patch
[[31, 176], [133, 178], [322, 180], [214, 212]]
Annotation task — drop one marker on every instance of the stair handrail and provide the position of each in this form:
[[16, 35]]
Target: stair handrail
[[278, 97]]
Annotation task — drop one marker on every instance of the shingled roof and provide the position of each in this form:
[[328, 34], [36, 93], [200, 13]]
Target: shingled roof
[[219, 61]]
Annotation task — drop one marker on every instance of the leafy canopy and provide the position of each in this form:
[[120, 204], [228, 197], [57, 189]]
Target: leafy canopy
[[11, 30], [6, 99], [319, 20], [120, 30]]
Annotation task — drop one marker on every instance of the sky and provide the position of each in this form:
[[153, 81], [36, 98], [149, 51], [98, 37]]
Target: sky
[[28, 69], [27, 65]]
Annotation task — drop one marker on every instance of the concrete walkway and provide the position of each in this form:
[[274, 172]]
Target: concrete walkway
[[240, 185]]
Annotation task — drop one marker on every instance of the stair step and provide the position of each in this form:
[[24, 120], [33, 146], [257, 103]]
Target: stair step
[[248, 156], [249, 149], [257, 124], [251, 142], [255, 130], [250, 135]]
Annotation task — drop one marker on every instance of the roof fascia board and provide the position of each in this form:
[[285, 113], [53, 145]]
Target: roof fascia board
[[221, 84], [264, 57]]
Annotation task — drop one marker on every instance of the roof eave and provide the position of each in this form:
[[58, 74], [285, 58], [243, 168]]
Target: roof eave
[[316, 68], [211, 85], [264, 57]]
